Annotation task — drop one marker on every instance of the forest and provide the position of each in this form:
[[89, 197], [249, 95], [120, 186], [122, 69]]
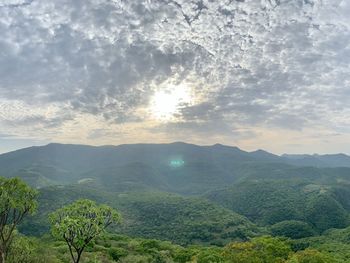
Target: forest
[[217, 204]]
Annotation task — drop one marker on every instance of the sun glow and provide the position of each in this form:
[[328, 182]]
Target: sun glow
[[167, 103]]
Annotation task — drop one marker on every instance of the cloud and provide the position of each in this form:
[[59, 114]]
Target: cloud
[[272, 64]]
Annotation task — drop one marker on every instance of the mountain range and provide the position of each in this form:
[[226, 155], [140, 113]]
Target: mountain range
[[175, 167], [188, 193]]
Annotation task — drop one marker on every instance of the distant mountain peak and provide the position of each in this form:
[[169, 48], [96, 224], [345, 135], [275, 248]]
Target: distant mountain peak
[[264, 154], [259, 151], [219, 145], [182, 143]]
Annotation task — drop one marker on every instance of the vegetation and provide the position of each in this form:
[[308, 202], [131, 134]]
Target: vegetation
[[143, 167], [16, 201], [217, 205], [110, 248], [79, 223], [183, 220], [267, 202], [293, 229], [332, 246]]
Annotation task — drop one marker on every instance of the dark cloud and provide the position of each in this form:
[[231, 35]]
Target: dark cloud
[[14, 3]]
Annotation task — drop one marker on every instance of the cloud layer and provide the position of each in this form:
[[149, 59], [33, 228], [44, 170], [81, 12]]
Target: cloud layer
[[87, 70]]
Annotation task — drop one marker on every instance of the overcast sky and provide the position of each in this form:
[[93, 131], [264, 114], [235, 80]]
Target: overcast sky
[[270, 74]]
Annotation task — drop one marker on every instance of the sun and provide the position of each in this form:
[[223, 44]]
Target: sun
[[167, 103]]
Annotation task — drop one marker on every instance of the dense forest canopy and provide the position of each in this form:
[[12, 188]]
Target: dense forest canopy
[[221, 204]]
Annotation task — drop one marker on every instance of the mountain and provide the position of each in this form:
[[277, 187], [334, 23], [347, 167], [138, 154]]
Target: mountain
[[176, 167], [189, 194], [316, 160]]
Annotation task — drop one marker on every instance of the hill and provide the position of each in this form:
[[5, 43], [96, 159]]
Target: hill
[[268, 202], [317, 160], [163, 216], [177, 167]]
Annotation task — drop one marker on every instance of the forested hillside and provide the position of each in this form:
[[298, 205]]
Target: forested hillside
[[178, 167], [213, 203], [182, 220], [268, 202]]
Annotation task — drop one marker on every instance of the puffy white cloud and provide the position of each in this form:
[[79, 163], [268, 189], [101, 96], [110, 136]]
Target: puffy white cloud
[[252, 64]]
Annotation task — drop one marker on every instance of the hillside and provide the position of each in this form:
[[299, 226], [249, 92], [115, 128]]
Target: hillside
[[267, 202], [317, 160], [177, 167], [191, 195], [152, 215]]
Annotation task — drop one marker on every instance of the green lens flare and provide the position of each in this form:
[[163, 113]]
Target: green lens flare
[[176, 163]]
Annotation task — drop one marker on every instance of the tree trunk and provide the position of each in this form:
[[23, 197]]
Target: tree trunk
[[2, 257], [79, 255]]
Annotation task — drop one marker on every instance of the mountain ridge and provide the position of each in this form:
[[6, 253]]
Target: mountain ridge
[[185, 168]]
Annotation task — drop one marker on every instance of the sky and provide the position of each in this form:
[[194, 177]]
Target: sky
[[269, 74]]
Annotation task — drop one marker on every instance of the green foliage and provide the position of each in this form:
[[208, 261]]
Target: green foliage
[[183, 220], [31, 250], [273, 201], [260, 250], [324, 212], [80, 222], [148, 166], [292, 229], [210, 256], [16, 201], [111, 248], [333, 243], [22, 250], [117, 253], [265, 202], [301, 203], [185, 255], [311, 256]]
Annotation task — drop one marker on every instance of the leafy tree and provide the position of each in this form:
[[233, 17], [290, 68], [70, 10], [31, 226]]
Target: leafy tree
[[184, 255], [210, 256], [80, 222], [17, 200], [22, 250], [310, 256], [263, 249]]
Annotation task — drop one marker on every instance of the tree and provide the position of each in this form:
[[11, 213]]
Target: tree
[[311, 256], [22, 250], [293, 229], [264, 249], [17, 200], [80, 222]]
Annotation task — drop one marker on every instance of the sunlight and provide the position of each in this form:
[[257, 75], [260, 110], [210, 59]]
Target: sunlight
[[165, 104]]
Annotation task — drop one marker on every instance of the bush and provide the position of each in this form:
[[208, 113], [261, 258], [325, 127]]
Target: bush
[[135, 259], [22, 250], [117, 253]]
